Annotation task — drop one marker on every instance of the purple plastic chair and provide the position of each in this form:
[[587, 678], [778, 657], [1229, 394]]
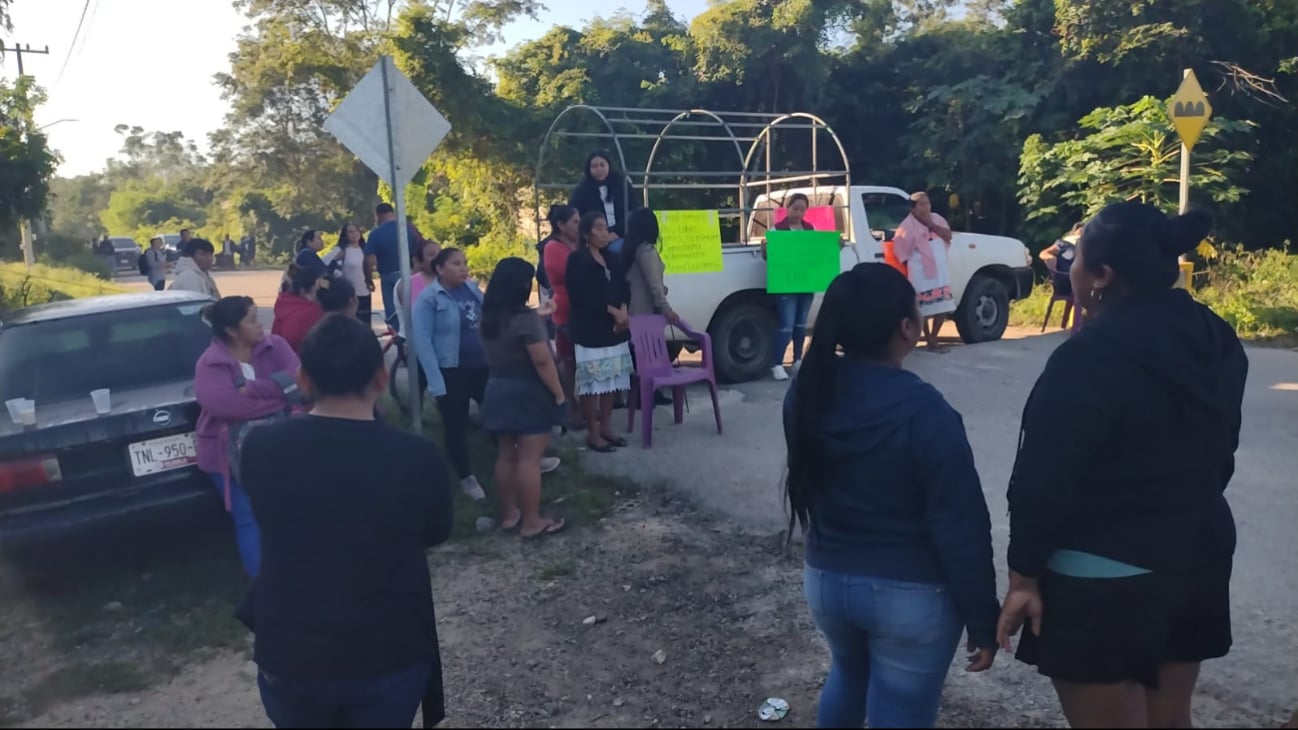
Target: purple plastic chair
[[654, 370]]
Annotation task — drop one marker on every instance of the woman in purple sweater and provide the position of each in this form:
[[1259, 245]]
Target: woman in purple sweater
[[245, 375]]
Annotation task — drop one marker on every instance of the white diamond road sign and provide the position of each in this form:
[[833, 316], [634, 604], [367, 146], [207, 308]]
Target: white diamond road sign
[[360, 123]]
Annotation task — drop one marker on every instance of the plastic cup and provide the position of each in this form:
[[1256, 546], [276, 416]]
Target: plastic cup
[[103, 399], [12, 404], [27, 412]]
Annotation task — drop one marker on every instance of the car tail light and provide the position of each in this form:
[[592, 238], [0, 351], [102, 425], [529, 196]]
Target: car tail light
[[30, 472]]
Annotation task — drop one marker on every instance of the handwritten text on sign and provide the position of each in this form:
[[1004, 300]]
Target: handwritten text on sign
[[689, 241], [801, 262]]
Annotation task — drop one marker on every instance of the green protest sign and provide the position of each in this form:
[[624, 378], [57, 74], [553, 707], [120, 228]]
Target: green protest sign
[[801, 262]]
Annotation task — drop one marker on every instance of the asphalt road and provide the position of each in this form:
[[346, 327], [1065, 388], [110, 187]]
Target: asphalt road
[[739, 474]]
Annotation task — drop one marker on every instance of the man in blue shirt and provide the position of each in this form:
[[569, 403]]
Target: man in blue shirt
[[383, 255]]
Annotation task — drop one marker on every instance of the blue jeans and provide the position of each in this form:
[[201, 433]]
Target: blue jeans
[[891, 644], [388, 283], [387, 701], [792, 310], [246, 533]]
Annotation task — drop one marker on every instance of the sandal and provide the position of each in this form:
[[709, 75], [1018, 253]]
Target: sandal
[[511, 527], [601, 449], [555, 527], [617, 441]]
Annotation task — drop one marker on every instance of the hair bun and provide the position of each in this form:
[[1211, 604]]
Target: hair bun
[[1180, 234]]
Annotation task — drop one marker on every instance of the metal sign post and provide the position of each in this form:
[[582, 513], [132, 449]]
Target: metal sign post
[[1190, 112], [394, 145]]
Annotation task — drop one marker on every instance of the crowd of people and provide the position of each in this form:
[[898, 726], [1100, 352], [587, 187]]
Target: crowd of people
[[1121, 539]]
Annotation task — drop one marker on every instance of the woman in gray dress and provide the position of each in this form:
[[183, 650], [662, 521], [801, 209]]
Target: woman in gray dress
[[524, 400]]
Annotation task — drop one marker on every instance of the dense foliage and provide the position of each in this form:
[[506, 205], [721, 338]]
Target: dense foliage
[[1032, 112]]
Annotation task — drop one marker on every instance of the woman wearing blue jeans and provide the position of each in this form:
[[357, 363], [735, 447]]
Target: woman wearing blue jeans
[[792, 309], [882, 480]]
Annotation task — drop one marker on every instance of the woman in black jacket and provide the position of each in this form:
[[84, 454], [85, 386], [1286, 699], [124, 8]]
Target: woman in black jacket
[[598, 324], [606, 191], [1121, 540]]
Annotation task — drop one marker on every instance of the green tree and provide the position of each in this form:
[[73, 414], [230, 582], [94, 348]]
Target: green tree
[[26, 161], [1128, 153]]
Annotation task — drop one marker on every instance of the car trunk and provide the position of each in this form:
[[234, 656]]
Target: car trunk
[[83, 454]]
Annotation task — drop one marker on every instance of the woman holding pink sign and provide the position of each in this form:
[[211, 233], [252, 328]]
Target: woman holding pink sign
[[922, 242], [792, 308]]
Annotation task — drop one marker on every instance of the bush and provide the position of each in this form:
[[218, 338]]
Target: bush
[[20, 287], [484, 256], [1255, 291], [83, 261]]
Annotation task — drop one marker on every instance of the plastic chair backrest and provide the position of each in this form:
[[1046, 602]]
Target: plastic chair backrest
[[650, 343]]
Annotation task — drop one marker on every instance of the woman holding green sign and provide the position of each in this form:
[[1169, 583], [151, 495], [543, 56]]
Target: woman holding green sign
[[792, 308]]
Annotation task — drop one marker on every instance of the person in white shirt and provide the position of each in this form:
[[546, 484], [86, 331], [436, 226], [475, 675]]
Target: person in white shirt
[[192, 270], [155, 261], [347, 261]]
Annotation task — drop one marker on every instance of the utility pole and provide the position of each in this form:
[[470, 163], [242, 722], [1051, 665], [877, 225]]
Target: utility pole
[[18, 51]]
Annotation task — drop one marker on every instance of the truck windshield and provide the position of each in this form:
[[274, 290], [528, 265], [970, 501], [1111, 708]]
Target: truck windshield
[[65, 359], [885, 212]]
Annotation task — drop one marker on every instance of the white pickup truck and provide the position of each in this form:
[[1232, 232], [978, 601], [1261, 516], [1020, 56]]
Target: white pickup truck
[[987, 272]]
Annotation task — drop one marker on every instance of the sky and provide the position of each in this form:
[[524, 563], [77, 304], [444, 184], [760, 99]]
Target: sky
[[150, 63]]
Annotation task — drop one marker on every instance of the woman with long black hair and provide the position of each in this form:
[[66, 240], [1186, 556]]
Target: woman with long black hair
[[882, 481], [599, 324], [1121, 539], [604, 190], [347, 261], [524, 400], [563, 240]]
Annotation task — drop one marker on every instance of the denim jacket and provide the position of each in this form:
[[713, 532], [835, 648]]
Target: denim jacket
[[435, 332]]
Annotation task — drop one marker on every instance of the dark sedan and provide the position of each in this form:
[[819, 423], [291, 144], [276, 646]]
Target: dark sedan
[[75, 469], [126, 253]]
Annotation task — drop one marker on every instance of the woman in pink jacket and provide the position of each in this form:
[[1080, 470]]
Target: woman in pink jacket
[[244, 376]]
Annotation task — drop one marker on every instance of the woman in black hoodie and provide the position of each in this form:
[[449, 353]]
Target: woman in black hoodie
[[1121, 540], [606, 191]]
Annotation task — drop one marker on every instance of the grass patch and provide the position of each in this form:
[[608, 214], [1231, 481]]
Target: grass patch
[[581, 497], [23, 287], [1255, 291]]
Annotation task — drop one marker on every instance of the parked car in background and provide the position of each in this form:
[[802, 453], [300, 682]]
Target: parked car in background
[[126, 252], [171, 244], [75, 469]]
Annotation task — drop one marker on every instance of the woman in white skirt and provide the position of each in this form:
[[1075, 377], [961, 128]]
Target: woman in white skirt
[[600, 329], [922, 241]]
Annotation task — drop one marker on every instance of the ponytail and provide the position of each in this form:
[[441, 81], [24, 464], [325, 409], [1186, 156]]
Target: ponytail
[[861, 316]]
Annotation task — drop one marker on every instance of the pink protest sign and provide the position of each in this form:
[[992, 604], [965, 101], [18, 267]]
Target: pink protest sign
[[821, 218]]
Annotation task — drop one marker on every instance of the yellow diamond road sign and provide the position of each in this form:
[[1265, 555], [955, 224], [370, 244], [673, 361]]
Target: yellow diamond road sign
[[1189, 110]]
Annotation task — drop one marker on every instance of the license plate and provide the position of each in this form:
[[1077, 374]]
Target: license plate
[[164, 454]]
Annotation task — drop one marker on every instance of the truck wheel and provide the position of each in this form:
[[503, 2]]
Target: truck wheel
[[742, 340], [984, 313]]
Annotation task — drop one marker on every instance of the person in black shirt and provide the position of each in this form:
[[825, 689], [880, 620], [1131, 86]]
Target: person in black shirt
[[598, 322], [1121, 540], [342, 609]]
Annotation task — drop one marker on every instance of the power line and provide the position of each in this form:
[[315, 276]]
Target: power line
[[75, 35]]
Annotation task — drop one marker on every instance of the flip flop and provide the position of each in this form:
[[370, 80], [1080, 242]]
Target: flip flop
[[553, 528], [511, 528], [605, 449], [616, 441]]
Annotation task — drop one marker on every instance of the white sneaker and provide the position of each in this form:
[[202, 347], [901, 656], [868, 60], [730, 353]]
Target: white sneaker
[[779, 373], [471, 487], [549, 464]]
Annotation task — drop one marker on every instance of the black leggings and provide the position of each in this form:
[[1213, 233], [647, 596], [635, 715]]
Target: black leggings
[[462, 385]]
